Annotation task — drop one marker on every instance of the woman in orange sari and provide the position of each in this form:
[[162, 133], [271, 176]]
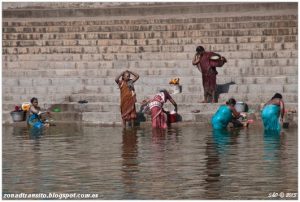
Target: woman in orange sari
[[128, 97]]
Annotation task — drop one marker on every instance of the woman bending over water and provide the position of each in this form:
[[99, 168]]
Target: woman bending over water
[[158, 117], [271, 112], [226, 114]]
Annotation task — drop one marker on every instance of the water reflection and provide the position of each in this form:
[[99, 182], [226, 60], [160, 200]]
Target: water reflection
[[130, 164], [177, 163], [158, 135], [271, 145], [218, 147], [28, 133]]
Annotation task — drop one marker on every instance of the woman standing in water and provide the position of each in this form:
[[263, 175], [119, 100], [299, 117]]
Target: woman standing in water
[[271, 112], [225, 114], [158, 117], [128, 97]]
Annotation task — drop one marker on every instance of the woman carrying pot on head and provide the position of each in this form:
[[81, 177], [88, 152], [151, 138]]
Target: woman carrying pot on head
[[34, 120], [226, 114], [271, 112], [158, 116]]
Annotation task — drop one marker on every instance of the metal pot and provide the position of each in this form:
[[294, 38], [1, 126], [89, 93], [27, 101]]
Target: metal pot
[[240, 106], [17, 116]]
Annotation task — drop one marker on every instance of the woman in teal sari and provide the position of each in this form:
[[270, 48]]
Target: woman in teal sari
[[34, 119], [271, 112], [225, 114]]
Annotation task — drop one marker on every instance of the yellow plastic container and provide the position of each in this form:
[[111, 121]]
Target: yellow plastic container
[[26, 106]]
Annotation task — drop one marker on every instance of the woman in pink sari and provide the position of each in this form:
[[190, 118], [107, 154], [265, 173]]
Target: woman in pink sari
[[158, 116]]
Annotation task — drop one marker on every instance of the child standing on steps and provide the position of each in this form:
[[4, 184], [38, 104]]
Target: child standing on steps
[[128, 96]]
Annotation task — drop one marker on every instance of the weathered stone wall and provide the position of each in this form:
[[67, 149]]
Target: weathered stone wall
[[64, 52]]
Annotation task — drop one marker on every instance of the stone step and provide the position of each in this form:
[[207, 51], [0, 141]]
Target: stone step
[[105, 60], [56, 116], [154, 10], [109, 112], [258, 98], [91, 113], [262, 88], [152, 27], [175, 69], [185, 81], [148, 42], [152, 34], [142, 89], [115, 107], [96, 117], [83, 34], [114, 119], [141, 20], [141, 64], [187, 98], [167, 67], [147, 87], [44, 98]]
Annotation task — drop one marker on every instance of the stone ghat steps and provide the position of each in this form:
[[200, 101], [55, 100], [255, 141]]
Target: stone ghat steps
[[259, 98], [112, 61], [145, 89], [115, 107], [114, 54], [235, 17], [100, 73], [169, 65], [115, 118], [152, 34], [210, 42], [160, 44], [189, 98], [100, 118], [278, 24], [105, 60], [157, 80], [180, 98], [153, 10]]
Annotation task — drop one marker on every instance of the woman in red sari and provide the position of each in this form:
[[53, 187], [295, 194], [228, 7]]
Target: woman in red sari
[[207, 63], [158, 115], [128, 97]]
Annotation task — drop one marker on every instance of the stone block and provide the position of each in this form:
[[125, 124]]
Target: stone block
[[292, 79], [293, 88]]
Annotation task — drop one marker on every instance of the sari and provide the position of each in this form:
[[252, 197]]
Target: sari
[[34, 121], [270, 116], [209, 73], [222, 117], [128, 100], [159, 119]]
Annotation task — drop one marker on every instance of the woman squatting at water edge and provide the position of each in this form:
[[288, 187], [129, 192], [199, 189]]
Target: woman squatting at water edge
[[158, 114], [34, 120], [128, 96], [226, 114], [271, 112]]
